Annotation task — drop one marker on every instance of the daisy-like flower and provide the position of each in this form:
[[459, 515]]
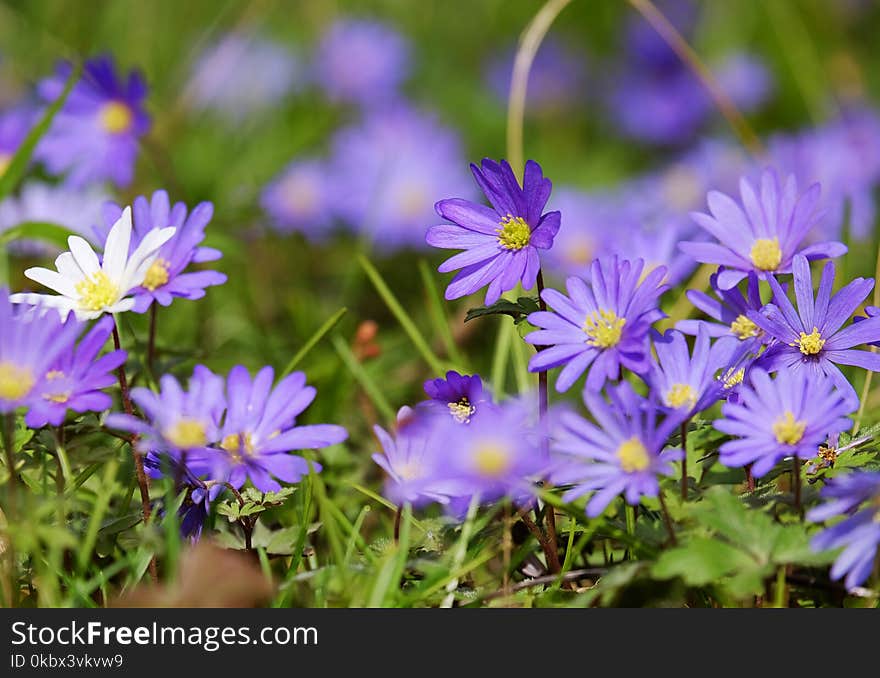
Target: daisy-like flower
[[299, 199], [362, 62], [75, 379], [603, 323], [94, 137], [623, 454], [764, 233], [731, 311], [413, 463], [857, 496], [501, 244], [260, 429], [689, 383], [460, 396], [810, 338], [91, 288], [166, 277], [178, 422], [790, 415], [30, 341]]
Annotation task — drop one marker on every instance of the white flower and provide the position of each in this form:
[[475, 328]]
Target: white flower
[[91, 288]]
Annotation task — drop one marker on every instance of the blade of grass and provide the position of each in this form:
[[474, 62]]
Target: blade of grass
[[402, 316], [503, 341], [99, 508], [363, 378], [387, 579], [460, 551], [328, 325], [387, 504], [438, 316]]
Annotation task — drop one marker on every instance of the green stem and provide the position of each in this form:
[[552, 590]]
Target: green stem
[[8, 424], [684, 461]]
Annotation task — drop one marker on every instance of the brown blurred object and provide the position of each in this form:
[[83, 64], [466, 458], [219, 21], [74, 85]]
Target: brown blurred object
[[209, 576], [364, 346]]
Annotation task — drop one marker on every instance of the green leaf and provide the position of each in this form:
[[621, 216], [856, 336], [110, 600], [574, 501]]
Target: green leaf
[[38, 230], [518, 310], [701, 561]]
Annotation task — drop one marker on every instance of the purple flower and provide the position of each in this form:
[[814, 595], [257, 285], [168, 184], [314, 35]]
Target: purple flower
[[178, 421], [689, 383], [242, 75], [460, 396], [362, 62], [622, 454], [859, 532], [300, 199], [95, 135], [74, 209], [557, 78], [790, 415], [603, 323], [501, 244], [415, 465], [497, 455], [731, 309], [30, 340], [589, 221], [870, 312], [75, 379], [810, 338], [386, 171], [745, 79], [260, 429], [764, 234], [165, 278]]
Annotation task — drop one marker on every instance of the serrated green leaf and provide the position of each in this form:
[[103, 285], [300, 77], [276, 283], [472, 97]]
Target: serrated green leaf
[[701, 561], [518, 310]]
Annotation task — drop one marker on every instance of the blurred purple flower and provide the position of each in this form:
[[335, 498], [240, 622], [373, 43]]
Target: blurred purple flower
[[95, 135], [362, 62], [14, 127], [299, 199], [745, 79]]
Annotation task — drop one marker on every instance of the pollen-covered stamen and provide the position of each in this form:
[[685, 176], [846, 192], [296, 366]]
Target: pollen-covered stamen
[[681, 395], [744, 328], [810, 344], [462, 411], [97, 292], [116, 117], [236, 443], [491, 459], [633, 455], [766, 254], [788, 430], [734, 377], [513, 233], [157, 275], [15, 382], [603, 328], [187, 433]]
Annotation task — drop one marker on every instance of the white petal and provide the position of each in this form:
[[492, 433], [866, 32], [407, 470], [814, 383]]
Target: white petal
[[143, 257], [53, 280], [84, 255], [63, 304], [67, 266], [116, 247], [121, 306]]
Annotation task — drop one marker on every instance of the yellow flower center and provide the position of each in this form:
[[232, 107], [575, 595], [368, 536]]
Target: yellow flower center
[[15, 382], [681, 395], [788, 430], [491, 459], [409, 470], [733, 378], [603, 328], [97, 292], [236, 443], [5, 161], [116, 117], [766, 254], [744, 328], [187, 433], [810, 344], [513, 233], [157, 275], [633, 455], [462, 411]]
